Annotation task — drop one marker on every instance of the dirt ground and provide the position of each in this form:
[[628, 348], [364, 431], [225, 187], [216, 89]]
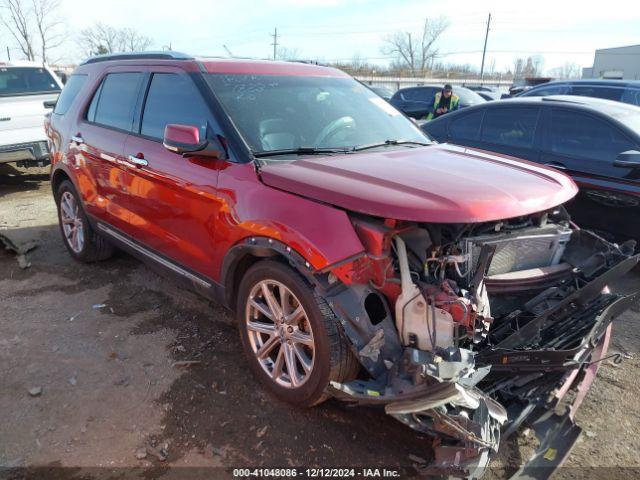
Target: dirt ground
[[88, 378]]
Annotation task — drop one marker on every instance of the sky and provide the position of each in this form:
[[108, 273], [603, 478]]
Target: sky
[[330, 30]]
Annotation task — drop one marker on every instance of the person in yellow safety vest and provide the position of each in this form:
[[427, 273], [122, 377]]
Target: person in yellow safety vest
[[444, 102]]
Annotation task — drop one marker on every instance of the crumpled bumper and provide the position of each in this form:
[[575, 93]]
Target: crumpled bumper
[[469, 400]]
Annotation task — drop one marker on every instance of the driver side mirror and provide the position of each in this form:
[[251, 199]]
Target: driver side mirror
[[628, 159], [185, 140]]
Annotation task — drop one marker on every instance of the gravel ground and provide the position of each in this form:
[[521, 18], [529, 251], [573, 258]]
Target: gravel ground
[[88, 378]]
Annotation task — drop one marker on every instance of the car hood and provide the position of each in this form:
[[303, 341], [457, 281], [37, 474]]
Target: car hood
[[439, 183]]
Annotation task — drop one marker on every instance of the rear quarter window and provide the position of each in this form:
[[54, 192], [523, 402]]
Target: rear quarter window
[[69, 93]]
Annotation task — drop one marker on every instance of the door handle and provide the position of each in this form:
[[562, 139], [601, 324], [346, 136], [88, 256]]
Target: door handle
[[556, 166], [137, 161], [77, 138]]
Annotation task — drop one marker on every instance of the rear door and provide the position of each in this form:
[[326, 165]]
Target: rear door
[[512, 130], [173, 200], [99, 137], [585, 146]]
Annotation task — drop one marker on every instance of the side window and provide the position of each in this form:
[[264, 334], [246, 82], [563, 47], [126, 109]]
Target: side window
[[610, 93], [631, 95], [172, 98], [426, 94], [578, 135], [514, 126], [550, 90], [411, 95], [466, 127], [113, 103], [69, 93]]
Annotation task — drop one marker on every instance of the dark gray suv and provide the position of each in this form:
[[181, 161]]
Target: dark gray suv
[[626, 91]]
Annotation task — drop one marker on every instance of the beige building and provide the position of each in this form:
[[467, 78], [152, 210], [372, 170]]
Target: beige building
[[621, 63]]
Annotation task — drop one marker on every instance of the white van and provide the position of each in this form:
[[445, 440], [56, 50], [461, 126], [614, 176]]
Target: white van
[[24, 89]]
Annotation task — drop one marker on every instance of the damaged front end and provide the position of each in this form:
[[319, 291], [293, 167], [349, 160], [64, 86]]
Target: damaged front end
[[467, 331]]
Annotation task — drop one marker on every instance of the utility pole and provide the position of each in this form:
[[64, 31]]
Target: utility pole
[[484, 50], [8, 54], [275, 42]]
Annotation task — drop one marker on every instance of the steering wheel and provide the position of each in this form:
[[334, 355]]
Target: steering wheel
[[342, 123]]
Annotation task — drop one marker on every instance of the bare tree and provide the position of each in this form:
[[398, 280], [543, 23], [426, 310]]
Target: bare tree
[[101, 39], [567, 70], [15, 18], [284, 53], [49, 27], [415, 51], [132, 41]]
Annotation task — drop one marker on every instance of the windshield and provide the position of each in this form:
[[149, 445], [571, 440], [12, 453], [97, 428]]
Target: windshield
[[276, 113], [26, 81], [630, 118]]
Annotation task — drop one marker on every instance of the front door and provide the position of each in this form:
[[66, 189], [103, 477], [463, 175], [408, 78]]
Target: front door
[[585, 146], [511, 130], [172, 200]]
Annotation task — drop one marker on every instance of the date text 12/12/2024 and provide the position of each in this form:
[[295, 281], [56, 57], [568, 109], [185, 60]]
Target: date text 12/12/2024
[[361, 472]]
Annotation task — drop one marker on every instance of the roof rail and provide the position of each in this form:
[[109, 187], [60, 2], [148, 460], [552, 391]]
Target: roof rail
[[161, 55], [554, 98]]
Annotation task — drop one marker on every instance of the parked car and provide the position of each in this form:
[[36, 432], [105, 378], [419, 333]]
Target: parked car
[[627, 91], [488, 93], [384, 92], [362, 260], [417, 102], [595, 141], [28, 91], [526, 84]]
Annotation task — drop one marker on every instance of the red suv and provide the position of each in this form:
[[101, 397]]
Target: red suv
[[363, 261]]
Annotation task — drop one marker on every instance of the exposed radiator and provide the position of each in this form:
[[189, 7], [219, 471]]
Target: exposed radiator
[[521, 250]]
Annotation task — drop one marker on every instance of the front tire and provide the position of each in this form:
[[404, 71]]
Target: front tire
[[81, 241], [292, 340]]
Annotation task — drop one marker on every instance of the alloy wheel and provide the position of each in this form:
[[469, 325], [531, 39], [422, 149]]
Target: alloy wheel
[[72, 225], [280, 333]]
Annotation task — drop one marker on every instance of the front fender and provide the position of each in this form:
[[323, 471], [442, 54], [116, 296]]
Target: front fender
[[321, 234]]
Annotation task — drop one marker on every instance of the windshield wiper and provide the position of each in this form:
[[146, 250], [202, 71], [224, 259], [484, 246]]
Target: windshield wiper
[[387, 143], [300, 151]]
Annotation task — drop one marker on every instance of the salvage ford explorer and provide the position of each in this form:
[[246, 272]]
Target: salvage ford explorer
[[446, 285]]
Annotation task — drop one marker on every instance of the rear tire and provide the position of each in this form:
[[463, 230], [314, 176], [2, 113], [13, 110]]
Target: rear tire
[[82, 242], [302, 336]]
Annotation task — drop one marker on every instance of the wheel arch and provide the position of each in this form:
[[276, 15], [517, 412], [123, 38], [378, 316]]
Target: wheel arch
[[57, 177], [244, 255]]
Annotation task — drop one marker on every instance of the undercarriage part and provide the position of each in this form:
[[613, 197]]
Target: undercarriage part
[[376, 345], [464, 422], [557, 435]]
